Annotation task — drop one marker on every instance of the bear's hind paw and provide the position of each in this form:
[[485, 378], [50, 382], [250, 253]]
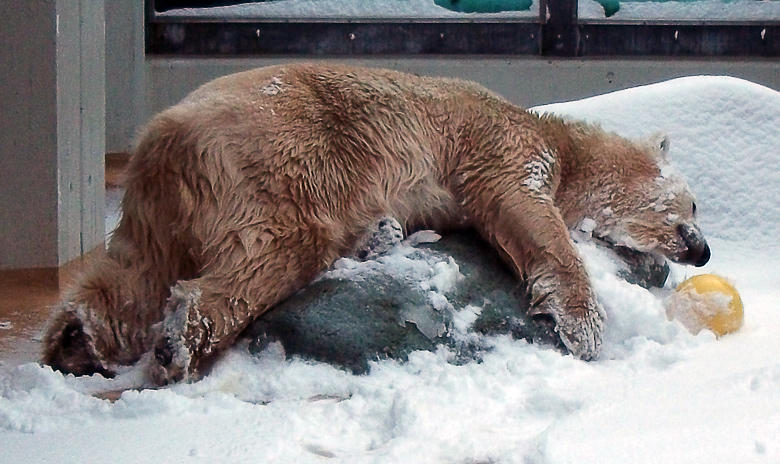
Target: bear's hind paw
[[69, 349], [171, 359]]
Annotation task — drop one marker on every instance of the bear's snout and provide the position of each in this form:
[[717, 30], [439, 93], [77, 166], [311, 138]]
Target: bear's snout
[[697, 251]]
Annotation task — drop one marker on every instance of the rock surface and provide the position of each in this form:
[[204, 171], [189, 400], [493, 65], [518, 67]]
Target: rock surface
[[412, 298]]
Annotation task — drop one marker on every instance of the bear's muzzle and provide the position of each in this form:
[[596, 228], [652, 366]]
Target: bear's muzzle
[[697, 251]]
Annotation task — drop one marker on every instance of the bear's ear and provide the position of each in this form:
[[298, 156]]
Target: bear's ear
[[659, 143]]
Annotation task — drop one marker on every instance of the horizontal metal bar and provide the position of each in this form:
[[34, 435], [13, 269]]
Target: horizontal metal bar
[[678, 40], [342, 38]]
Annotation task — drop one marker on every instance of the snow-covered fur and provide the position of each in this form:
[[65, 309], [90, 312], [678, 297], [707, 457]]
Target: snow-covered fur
[[255, 183]]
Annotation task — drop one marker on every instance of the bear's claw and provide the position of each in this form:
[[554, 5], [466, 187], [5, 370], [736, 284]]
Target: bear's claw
[[581, 335], [164, 355], [579, 328], [164, 368]]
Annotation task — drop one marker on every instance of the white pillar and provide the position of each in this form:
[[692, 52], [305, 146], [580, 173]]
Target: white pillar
[[52, 131]]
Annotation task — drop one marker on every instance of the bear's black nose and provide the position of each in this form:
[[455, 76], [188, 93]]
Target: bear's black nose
[[705, 256], [698, 252]]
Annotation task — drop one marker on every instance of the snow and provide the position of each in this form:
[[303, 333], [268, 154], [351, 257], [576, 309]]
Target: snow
[[335, 9], [712, 10], [657, 393], [709, 10]]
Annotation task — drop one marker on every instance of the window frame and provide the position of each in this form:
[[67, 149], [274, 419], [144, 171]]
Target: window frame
[[557, 32]]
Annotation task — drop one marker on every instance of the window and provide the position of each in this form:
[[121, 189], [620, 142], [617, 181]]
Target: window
[[679, 10], [342, 27], [478, 27], [348, 9]]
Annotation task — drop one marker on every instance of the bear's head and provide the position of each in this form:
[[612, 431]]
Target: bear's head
[[650, 208]]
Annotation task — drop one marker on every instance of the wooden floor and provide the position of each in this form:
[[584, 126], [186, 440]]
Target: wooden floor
[[27, 296]]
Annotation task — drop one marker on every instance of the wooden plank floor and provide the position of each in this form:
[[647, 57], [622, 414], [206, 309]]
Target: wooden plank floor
[[27, 296], [25, 299]]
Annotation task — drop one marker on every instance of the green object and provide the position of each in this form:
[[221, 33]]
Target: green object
[[348, 323], [484, 6], [610, 7]]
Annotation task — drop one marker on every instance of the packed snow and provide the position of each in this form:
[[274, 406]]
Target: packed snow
[[721, 10], [341, 9], [656, 394], [693, 10]]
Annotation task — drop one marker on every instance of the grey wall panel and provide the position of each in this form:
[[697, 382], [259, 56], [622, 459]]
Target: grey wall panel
[[28, 141], [125, 72], [53, 129], [526, 81]]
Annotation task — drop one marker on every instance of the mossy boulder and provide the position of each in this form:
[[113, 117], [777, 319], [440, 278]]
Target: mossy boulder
[[414, 298]]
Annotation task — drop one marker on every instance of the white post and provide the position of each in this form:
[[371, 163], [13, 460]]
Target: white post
[[52, 131]]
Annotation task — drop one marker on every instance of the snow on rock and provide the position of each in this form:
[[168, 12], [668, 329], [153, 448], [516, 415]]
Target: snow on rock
[[658, 393]]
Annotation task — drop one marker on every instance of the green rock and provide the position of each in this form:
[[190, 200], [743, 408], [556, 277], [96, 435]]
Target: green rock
[[386, 313], [348, 322]]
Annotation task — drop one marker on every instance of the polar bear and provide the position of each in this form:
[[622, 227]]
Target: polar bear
[[257, 182]]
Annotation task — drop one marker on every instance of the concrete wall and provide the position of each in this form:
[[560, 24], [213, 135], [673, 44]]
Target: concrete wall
[[125, 73], [28, 177], [527, 81], [52, 123]]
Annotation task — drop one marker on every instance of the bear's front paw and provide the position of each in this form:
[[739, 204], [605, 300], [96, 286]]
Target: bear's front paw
[[581, 330], [178, 338], [579, 326]]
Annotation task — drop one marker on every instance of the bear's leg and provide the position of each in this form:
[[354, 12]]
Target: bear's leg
[[529, 231], [203, 316]]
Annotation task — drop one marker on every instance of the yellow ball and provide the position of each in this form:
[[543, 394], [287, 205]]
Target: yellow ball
[[707, 301]]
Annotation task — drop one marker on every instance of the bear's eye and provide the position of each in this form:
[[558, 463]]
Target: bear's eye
[[693, 208]]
